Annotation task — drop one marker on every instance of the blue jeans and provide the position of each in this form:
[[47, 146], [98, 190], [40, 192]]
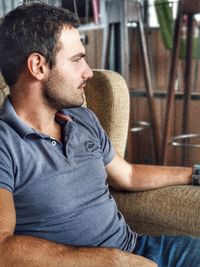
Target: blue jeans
[[170, 251]]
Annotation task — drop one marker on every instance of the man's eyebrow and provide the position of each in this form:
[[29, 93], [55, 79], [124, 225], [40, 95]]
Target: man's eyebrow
[[79, 55]]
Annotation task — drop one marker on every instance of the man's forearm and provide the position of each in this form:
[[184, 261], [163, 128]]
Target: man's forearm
[[149, 177], [25, 251]]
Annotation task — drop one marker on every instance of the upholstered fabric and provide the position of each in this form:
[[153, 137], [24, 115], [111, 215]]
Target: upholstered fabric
[[3, 90], [170, 210]]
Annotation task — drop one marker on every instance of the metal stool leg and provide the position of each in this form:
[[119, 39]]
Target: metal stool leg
[[171, 85], [188, 84], [149, 86]]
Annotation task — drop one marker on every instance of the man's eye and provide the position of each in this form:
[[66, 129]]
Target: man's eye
[[77, 59]]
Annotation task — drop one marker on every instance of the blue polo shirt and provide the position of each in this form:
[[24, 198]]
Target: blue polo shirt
[[60, 189]]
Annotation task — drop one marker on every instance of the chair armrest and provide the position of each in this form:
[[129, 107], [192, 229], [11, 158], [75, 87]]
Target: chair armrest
[[169, 210]]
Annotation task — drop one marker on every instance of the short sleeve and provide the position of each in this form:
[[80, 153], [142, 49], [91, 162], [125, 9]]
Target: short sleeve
[[6, 168]]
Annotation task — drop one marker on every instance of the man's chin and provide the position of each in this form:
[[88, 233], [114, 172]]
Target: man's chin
[[59, 104], [74, 105]]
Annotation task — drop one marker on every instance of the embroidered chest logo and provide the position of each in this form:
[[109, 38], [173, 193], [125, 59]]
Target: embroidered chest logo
[[90, 146]]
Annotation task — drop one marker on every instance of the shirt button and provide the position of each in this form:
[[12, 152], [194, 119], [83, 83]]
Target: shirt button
[[53, 143]]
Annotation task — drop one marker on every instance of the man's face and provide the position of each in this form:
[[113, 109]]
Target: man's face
[[64, 86]]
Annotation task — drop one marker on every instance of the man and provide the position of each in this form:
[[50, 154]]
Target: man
[[55, 206]]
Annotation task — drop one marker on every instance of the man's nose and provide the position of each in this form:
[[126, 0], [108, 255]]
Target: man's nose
[[88, 73]]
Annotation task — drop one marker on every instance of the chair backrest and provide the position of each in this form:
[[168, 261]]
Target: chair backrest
[[107, 96], [3, 90]]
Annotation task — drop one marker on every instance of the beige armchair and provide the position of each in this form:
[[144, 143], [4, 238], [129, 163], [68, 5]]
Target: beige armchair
[[3, 90], [169, 210]]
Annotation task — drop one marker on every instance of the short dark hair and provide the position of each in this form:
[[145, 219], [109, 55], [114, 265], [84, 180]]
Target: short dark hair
[[27, 29]]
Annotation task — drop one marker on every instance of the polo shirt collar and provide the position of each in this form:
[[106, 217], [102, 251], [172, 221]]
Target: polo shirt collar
[[9, 116]]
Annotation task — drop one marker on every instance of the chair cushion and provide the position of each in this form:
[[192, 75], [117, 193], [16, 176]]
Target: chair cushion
[[169, 210]]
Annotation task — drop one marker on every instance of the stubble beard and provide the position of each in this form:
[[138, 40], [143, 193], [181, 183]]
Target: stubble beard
[[54, 99]]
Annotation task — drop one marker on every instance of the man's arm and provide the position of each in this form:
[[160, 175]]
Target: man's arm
[[124, 176], [28, 251]]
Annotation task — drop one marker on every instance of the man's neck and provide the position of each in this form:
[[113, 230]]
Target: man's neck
[[36, 114]]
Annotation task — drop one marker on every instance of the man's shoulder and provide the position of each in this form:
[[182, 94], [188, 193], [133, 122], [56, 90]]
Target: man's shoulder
[[5, 132]]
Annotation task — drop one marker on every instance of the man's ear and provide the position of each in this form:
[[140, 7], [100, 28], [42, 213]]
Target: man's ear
[[37, 66]]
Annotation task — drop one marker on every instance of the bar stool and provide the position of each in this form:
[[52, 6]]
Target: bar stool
[[189, 8], [119, 15]]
